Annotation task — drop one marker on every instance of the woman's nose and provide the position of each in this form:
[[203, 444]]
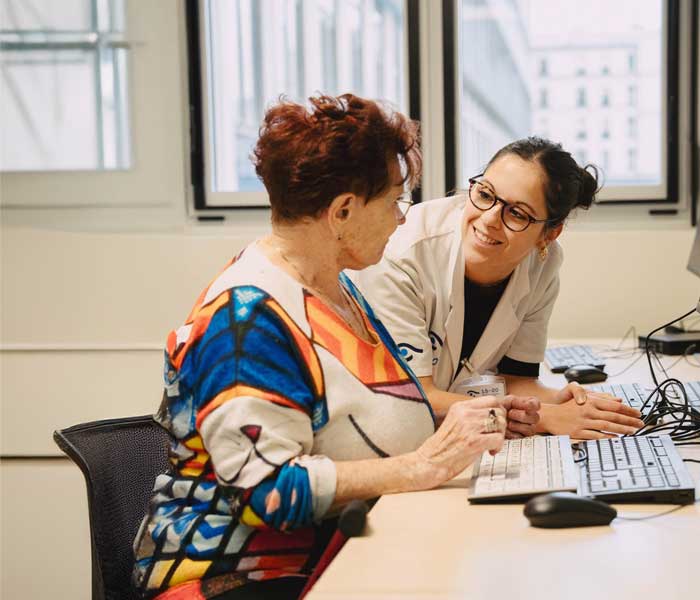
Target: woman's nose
[[492, 216], [400, 217]]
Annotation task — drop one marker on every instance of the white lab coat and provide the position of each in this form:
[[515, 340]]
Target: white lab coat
[[417, 291]]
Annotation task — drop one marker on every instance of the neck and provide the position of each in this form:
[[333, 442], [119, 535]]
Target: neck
[[309, 254], [485, 273]]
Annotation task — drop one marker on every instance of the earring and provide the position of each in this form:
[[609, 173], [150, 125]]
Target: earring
[[544, 251]]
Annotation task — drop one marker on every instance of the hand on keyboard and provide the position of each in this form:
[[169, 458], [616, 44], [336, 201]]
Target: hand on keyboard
[[572, 391], [523, 415], [600, 416], [459, 441]]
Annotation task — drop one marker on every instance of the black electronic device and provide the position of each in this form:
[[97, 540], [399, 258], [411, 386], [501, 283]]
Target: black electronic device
[[585, 374], [673, 344], [564, 509]]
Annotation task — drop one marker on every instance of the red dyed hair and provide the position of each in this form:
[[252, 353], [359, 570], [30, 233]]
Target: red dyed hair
[[307, 157]]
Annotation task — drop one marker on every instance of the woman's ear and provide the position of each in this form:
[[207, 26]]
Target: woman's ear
[[552, 234], [339, 211]]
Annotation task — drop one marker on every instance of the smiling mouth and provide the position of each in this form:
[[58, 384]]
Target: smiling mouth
[[482, 237]]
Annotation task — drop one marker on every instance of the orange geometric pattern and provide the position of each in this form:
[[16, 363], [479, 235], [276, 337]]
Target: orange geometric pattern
[[371, 363]]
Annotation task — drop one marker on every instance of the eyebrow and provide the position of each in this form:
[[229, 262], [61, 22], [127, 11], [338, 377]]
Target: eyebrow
[[532, 210]]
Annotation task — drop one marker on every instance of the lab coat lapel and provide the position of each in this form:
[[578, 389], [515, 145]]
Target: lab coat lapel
[[504, 320], [454, 324]]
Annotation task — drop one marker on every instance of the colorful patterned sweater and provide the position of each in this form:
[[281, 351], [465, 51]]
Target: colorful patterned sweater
[[265, 387]]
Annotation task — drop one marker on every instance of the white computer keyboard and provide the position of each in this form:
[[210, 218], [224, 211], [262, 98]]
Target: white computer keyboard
[[525, 467]]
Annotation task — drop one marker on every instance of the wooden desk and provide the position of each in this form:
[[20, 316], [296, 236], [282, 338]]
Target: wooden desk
[[436, 545]]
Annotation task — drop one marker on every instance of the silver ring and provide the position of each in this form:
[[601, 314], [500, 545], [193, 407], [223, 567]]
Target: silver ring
[[491, 421]]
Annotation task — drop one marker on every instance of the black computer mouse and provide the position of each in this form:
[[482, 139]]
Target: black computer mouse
[[585, 374], [564, 509]]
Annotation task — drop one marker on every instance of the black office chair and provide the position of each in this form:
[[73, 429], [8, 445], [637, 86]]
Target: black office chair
[[120, 459]]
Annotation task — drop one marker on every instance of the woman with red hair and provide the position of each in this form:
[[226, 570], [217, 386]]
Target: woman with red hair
[[285, 396]]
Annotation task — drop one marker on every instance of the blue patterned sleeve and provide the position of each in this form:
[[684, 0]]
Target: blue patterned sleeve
[[263, 399]]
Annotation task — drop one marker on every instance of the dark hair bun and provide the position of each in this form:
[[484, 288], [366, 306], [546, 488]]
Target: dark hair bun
[[590, 178]]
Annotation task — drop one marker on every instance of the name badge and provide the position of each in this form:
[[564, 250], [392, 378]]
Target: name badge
[[480, 385]]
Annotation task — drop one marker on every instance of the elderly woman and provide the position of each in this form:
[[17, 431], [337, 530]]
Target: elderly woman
[[285, 396], [467, 287]]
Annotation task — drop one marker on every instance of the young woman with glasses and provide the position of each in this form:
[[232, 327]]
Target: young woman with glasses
[[468, 284]]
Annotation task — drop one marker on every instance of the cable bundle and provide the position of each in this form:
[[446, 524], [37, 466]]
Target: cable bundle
[[669, 402]]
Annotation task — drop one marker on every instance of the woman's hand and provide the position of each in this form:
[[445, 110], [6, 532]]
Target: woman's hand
[[587, 415], [523, 415], [460, 440]]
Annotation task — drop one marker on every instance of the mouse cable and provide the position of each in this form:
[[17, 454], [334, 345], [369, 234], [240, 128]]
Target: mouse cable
[[640, 354], [646, 341], [618, 351], [693, 460], [689, 351], [661, 514]]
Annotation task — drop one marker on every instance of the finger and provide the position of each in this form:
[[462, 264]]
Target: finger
[[507, 401], [523, 417], [499, 410], [529, 404], [613, 427], [533, 406], [617, 407], [521, 429], [486, 402], [501, 424], [513, 435], [621, 419], [578, 393], [493, 442], [603, 396]]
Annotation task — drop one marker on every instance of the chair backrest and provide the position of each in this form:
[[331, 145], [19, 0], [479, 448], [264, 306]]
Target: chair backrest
[[120, 459]]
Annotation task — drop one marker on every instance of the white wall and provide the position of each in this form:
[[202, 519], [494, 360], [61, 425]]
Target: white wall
[[85, 315]]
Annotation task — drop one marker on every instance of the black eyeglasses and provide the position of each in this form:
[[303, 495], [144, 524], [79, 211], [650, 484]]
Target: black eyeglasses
[[513, 217]]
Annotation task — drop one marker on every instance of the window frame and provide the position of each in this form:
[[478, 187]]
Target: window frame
[[200, 124], [146, 192], [669, 201]]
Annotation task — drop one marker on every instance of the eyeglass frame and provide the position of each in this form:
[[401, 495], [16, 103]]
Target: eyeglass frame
[[405, 198], [504, 203]]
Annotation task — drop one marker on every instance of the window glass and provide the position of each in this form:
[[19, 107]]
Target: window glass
[[604, 70], [257, 50], [63, 68]]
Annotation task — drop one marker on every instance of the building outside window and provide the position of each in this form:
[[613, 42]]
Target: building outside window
[[632, 127], [72, 55], [257, 50]]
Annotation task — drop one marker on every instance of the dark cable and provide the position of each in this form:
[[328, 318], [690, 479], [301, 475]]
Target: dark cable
[[646, 341]]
